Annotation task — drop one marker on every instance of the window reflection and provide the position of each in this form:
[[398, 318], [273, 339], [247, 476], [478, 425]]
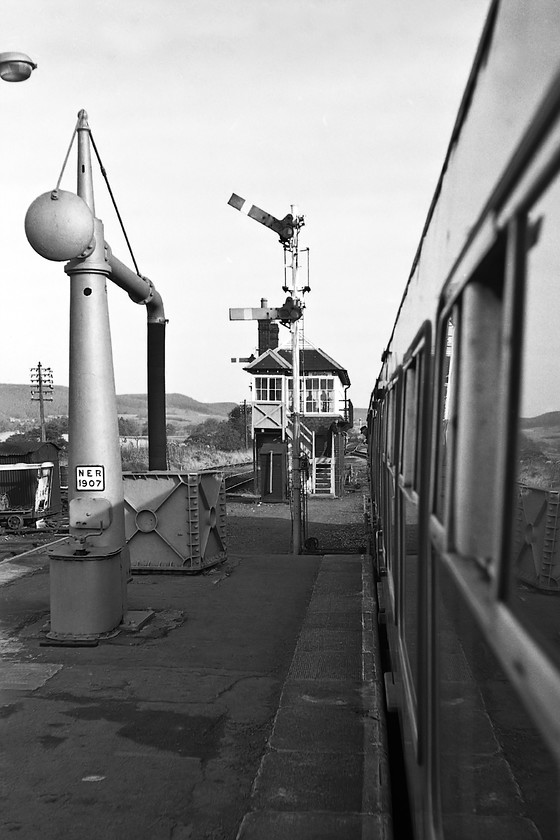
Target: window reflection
[[496, 776], [390, 485], [446, 413], [410, 587], [419, 404], [536, 519]]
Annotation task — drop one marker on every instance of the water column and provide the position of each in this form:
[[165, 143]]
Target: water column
[[88, 573]]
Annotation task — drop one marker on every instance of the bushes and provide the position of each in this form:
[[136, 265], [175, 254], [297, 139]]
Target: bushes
[[226, 435]]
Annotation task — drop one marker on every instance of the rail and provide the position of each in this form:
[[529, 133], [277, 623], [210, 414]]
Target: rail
[[237, 476], [14, 546], [359, 450]]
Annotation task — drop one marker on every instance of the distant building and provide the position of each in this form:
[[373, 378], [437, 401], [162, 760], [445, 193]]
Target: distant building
[[325, 411]]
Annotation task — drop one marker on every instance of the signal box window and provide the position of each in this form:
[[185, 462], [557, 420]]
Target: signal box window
[[319, 395], [316, 393], [268, 388]]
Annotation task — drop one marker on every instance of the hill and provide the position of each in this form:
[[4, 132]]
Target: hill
[[16, 403], [360, 413], [542, 421], [179, 408]]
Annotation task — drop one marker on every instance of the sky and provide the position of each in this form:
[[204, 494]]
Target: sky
[[340, 108]]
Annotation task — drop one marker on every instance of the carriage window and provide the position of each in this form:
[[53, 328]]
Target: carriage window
[[447, 386], [409, 426], [536, 513], [478, 395], [409, 525]]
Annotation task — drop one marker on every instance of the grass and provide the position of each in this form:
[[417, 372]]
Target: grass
[[183, 457]]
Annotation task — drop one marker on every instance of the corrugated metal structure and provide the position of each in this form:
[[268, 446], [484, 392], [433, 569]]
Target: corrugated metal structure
[[29, 452], [25, 493], [175, 522]]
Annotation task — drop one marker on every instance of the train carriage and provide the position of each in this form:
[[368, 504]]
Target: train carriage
[[464, 451]]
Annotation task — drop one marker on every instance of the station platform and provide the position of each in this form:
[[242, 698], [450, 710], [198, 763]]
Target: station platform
[[245, 703]]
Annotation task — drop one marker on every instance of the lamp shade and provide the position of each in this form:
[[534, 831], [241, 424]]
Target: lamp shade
[[15, 66]]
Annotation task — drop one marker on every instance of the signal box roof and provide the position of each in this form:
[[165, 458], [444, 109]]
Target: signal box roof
[[314, 361]]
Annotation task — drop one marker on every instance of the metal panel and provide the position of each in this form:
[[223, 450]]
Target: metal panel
[[175, 521], [536, 543], [268, 416]]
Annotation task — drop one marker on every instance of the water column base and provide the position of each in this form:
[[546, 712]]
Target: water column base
[[86, 597]]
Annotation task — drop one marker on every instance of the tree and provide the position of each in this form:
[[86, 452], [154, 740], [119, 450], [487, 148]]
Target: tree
[[239, 418], [128, 427], [220, 434], [54, 428], [206, 433]]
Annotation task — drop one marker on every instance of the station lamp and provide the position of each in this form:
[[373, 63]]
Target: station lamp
[[15, 66]]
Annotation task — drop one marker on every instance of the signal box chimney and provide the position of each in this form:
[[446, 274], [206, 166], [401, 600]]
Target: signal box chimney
[[268, 332]]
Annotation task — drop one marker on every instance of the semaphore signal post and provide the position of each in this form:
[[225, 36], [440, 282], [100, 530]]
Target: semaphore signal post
[[289, 314]]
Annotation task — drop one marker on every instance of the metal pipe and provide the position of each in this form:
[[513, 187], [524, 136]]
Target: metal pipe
[[141, 290], [157, 431]]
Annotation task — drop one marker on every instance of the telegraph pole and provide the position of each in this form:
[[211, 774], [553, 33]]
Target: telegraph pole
[[41, 391], [245, 424]]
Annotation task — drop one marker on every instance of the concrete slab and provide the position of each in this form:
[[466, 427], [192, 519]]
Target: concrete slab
[[337, 639], [297, 781], [318, 729], [26, 676], [327, 664], [341, 693], [136, 619], [330, 601], [346, 620], [315, 826]]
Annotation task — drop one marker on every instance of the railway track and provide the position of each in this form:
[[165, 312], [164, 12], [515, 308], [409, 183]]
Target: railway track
[[359, 451], [237, 476], [240, 479]]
